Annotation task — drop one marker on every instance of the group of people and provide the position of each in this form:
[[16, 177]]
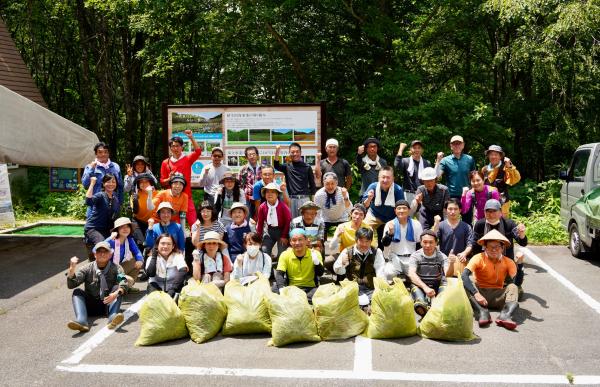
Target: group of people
[[420, 230]]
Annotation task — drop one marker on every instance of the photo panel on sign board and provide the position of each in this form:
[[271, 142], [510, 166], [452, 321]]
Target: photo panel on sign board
[[260, 135], [237, 135]]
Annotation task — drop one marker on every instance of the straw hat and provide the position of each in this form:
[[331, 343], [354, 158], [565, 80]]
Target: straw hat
[[494, 235], [271, 186], [165, 205], [211, 236], [122, 221], [239, 205]]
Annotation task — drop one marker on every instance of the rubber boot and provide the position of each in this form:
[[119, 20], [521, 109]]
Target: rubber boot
[[505, 317], [481, 313], [80, 323]]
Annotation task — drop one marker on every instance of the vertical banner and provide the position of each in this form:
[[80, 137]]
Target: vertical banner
[[7, 215]]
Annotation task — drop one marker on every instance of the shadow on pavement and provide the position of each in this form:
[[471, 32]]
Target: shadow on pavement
[[25, 262]]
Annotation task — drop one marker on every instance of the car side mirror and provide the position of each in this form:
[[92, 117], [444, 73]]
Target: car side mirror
[[563, 175]]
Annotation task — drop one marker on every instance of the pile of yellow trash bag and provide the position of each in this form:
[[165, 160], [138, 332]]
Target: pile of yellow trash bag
[[203, 312]]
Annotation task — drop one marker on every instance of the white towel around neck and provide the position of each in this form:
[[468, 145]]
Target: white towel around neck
[[411, 166], [390, 199], [368, 163]]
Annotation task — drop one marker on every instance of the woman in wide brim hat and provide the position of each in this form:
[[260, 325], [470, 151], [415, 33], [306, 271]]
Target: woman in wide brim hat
[[211, 236]]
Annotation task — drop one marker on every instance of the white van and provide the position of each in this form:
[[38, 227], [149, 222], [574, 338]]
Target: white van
[[582, 177]]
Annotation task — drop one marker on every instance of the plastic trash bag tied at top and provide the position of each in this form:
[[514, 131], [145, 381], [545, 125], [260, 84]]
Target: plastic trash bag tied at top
[[161, 320], [392, 311], [450, 316], [247, 310], [204, 310], [337, 312], [292, 317]]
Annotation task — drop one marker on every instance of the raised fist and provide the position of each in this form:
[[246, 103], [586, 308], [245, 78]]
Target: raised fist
[[440, 155], [73, 261], [361, 150]]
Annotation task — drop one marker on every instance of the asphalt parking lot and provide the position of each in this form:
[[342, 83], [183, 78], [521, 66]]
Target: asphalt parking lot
[[556, 338]]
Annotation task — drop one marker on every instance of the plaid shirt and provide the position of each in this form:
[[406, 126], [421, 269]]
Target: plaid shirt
[[247, 177]]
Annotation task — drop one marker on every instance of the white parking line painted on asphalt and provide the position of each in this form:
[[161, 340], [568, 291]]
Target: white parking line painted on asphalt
[[329, 374], [592, 303], [363, 354], [101, 335]]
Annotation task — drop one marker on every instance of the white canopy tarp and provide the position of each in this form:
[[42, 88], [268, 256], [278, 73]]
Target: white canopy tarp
[[33, 135]]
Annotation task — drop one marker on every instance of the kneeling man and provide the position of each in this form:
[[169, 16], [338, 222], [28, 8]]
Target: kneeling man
[[492, 270]]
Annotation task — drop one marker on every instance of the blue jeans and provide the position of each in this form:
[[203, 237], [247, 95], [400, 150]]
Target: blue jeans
[[85, 305]]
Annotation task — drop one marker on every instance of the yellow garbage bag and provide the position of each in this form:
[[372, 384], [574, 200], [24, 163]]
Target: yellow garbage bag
[[450, 316], [392, 311], [337, 312], [203, 307], [161, 320], [247, 310], [292, 317]]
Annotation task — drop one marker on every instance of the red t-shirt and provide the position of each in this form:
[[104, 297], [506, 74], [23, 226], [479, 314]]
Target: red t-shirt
[[183, 165]]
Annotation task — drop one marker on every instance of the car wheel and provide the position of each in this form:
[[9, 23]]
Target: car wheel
[[575, 244]]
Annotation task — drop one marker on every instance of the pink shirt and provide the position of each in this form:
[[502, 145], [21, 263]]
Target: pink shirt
[[480, 199]]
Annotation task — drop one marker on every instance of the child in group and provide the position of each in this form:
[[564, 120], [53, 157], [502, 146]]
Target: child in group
[[139, 166], [210, 265], [273, 222], [234, 233], [125, 250], [177, 198], [252, 261]]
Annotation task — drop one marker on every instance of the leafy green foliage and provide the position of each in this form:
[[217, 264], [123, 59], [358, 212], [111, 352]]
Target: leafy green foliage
[[537, 205]]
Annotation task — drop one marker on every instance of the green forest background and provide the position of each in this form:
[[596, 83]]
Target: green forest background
[[519, 73]]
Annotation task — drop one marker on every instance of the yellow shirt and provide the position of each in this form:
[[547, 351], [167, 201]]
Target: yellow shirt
[[348, 237], [300, 272]]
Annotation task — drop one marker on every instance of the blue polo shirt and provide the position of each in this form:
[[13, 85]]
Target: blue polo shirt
[[383, 212], [457, 173]]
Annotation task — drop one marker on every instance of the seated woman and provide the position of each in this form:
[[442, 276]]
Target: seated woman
[[102, 292], [166, 266], [229, 193], [211, 265], [104, 207], [208, 221], [125, 250], [477, 196], [252, 261]]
